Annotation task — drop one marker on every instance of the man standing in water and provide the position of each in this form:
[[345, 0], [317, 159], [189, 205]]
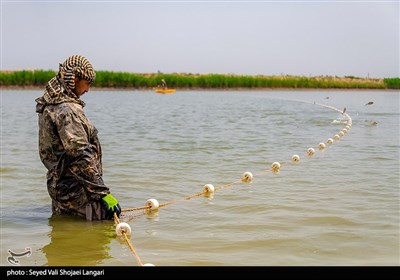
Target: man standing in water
[[69, 147]]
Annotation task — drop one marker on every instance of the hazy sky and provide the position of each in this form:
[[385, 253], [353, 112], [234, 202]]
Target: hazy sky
[[310, 38]]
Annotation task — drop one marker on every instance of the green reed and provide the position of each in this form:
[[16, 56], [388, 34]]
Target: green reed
[[392, 83], [121, 80]]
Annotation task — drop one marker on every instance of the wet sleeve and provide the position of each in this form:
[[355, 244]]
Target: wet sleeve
[[82, 156]]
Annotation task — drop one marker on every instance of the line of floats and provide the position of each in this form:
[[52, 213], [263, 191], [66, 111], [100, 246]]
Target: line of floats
[[123, 229]]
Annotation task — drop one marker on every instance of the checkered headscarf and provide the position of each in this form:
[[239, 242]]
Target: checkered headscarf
[[61, 87], [76, 65]]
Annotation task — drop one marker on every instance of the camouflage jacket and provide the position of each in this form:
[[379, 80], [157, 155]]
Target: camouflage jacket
[[70, 150]]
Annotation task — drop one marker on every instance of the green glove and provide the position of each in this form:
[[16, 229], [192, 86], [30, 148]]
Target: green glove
[[111, 205]]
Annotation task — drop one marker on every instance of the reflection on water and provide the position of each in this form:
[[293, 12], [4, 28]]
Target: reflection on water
[[76, 242], [338, 207]]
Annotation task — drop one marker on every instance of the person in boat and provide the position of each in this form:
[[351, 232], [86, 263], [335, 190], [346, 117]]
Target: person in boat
[[69, 147], [163, 84]]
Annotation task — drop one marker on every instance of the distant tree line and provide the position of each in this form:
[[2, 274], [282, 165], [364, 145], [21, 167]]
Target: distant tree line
[[124, 80]]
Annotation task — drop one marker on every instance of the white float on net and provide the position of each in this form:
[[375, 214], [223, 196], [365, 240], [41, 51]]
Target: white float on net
[[310, 152], [247, 177], [295, 158], [209, 188], [123, 228], [152, 204], [276, 166]]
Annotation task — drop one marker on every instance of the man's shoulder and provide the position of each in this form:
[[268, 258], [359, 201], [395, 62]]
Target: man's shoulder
[[64, 109]]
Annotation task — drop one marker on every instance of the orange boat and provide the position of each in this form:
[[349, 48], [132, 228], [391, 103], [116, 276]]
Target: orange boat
[[160, 90]]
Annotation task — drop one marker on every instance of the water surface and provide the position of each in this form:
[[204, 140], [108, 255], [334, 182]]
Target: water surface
[[338, 207]]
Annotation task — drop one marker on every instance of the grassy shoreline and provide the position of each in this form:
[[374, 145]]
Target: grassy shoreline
[[93, 88], [187, 81]]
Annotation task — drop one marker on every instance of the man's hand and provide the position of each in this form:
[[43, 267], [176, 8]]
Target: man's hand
[[111, 205]]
